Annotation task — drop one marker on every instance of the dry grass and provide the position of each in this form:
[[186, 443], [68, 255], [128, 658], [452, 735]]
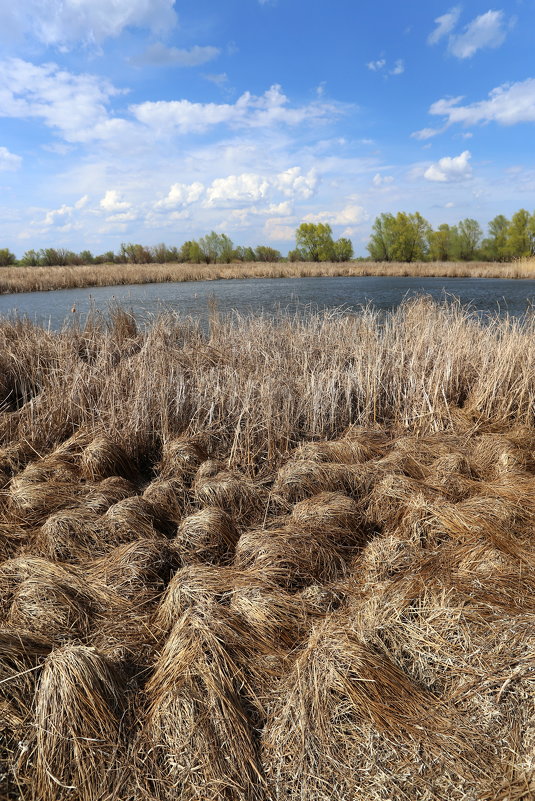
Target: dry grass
[[38, 279], [283, 559]]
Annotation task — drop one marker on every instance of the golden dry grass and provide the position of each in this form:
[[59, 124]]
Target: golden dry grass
[[286, 559], [39, 279]]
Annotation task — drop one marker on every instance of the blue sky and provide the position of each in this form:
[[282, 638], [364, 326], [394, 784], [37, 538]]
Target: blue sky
[[154, 120]]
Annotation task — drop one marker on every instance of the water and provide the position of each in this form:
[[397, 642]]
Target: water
[[487, 296]]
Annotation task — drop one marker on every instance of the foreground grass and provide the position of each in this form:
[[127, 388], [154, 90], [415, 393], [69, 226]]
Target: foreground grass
[[38, 279], [282, 559]]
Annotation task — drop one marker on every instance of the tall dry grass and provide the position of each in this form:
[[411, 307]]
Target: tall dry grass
[[38, 279], [279, 559]]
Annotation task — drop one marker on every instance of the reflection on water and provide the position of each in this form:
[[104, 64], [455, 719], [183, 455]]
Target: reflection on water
[[486, 296]]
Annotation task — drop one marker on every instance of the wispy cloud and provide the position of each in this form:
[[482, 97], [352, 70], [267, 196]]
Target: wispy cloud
[[63, 23], [159, 54], [9, 161], [508, 104], [444, 25], [487, 30]]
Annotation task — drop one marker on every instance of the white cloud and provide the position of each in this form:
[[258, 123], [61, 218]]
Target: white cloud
[[55, 22], [349, 215], [507, 104], [64, 213], [426, 133], [112, 202], [73, 104], [252, 187], [9, 161], [445, 24], [241, 188], [376, 66], [159, 54], [184, 116], [182, 195], [456, 168], [382, 180], [487, 30], [399, 67], [277, 229]]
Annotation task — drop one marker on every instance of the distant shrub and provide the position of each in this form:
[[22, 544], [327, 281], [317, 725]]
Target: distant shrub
[[6, 257]]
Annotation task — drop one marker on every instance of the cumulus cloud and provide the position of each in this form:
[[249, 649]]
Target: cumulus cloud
[[159, 55], [181, 195], [184, 116], [399, 67], [55, 22], [111, 202], [448, 169], [507, 104], [487, 30], [349, 215], [64, 213], [9, 161], [252, 187]]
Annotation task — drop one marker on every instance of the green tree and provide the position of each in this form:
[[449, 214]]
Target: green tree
[[442, 243], [216, 248], [382, 238], [411, 234], [315, 241], [86, 257], [7, 257], [343, 249], [470, 234], [520, 235], [30, 258], [495, 245], [267, 254]]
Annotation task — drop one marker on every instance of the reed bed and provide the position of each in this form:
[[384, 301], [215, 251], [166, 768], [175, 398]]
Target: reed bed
[[279, 559], [42, 279]]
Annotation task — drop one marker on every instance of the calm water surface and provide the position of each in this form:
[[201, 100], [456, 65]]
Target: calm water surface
[[487, 296]]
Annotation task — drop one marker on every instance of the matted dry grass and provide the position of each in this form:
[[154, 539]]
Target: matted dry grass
[[285, 560]]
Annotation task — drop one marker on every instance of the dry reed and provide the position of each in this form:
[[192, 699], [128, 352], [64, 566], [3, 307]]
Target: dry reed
[[35, 279]]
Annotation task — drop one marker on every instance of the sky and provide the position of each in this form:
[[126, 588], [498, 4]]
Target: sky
[[158, 121]]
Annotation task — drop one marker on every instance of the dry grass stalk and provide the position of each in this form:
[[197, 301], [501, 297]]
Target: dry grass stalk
[[169, 499], [230, 491], [107, 492], [301, 479], [105, 458], [298, 557], [39, 279], [209, 535], [181, 457], [78, 742], [333, 513], [135, 570], [198, 729]]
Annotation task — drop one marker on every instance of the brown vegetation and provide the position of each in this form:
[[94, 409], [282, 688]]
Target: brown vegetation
[[39, 279], [280, 560]]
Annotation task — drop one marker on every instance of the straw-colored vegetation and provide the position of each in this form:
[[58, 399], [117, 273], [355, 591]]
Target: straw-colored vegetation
[[38, 279], [286, 559]]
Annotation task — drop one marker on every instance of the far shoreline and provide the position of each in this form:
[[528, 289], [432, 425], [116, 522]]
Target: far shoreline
[[14, 280]]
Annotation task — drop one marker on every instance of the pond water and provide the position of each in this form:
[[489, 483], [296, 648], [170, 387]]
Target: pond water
[[485, 295]]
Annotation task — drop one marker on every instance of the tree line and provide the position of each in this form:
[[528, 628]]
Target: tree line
[[402, 237], [410, 237], [213, 248]]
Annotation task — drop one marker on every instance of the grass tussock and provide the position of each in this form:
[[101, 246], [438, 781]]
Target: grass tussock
[[298, 563], [38, 279]]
